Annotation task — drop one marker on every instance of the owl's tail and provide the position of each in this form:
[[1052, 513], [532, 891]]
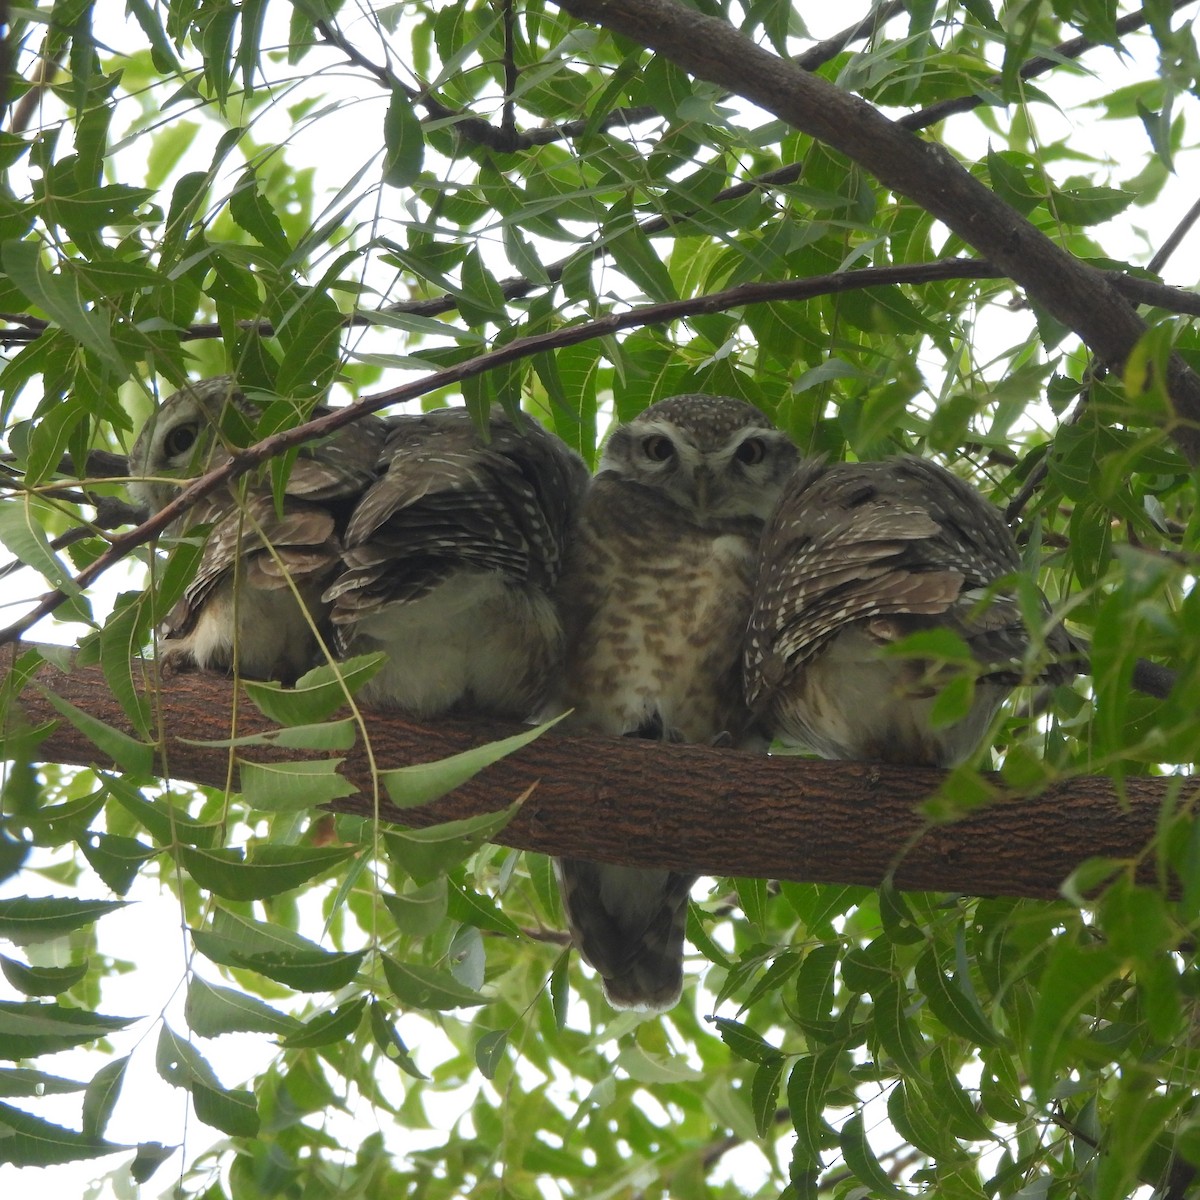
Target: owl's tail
[[629, 924]]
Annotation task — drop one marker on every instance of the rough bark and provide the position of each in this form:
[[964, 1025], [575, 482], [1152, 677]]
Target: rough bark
[[1077, 295], [694, 808]]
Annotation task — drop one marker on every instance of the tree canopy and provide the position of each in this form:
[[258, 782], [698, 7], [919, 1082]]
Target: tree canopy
[[955, 230]]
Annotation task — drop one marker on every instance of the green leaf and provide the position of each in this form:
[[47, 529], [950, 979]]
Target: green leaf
[[101, 1096], [61, 299], [422, 783], [480, 910], [211, 1011], [744, 1041], [951, 1005], [116, 859], [860, 1158], [150, 1156], [234, 1113], [317, 694], [426, 987], [489, 1052], [1073, 977], [427, 853], [132, 756], [390, 1042], [272, 870], [420, 911], [28, 1141], [41, 981], [329, 1027], [26, 920], [292, 786], [324, 735], [19, 1081], [404, 142], [253, 213], [22, 534], [27, 1030], [764, 1093], [275, 952]]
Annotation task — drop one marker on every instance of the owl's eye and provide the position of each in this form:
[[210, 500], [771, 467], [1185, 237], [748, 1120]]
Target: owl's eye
[[658, 448], [180, 440], [751, 451]]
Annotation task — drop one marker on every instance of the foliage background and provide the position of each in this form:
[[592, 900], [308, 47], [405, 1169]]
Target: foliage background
[[188, 194]]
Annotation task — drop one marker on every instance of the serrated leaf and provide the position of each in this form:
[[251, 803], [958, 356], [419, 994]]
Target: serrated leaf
[[427, 853], [234, 1113], [422, 783], [101, 1096], [21, 1081], [41, 981], [150, 1156], [489, 1052], [317, 694], [26, 920], [744, 1041], [61, 299], [950, 1004], [274, 869], [132, 756], [860, 1158], [764, 1094], [211, 1011], [474, 908], [292, 786], [27, 1030], [28, 1141], [390, 1042], [426, 987], [324, 735], [420, 911], [116, 859], [328, 1027], [404, 142]]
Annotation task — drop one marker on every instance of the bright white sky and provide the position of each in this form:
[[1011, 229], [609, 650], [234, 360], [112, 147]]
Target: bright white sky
[[150, 932]]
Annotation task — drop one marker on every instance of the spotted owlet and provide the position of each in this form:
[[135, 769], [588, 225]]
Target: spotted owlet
[[859, 556], [254, 601], [656, 596], [451, 562]]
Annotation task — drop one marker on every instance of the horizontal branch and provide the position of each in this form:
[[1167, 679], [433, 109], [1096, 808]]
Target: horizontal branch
[[687, 808]]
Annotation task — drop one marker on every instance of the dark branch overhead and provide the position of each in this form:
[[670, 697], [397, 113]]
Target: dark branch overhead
[[695, 808]]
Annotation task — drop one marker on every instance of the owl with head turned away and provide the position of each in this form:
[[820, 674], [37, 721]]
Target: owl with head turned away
[[859, 556], [451, 562], [254, 604], [656, 596]]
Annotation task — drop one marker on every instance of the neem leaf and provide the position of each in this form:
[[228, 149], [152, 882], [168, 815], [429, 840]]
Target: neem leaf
[[132, 756], [41, 981], [423, 783], [427, 853], [427, 987], [404, 142], [29, 919], [28, 1141], [329, 1027], [101, 1096], [292, 786], [272, 870], [30, 1029], [211, 1011], [317, 694]]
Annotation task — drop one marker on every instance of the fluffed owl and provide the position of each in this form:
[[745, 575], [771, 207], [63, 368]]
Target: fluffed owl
[[451, 562], [255, 600], [656, 598], [857, 557]]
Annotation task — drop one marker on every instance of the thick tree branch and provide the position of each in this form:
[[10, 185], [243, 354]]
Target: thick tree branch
[[692, 808], [1077, 295]]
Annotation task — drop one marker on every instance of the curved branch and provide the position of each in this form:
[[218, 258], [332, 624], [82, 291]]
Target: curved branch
[[687, 808], [1075, 294]]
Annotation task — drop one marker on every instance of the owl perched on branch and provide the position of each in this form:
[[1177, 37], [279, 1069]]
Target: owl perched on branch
[[656, 598], [451, 561], [857, 557], [255, 600]]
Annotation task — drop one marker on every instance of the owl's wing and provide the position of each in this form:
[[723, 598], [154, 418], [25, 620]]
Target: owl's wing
[[898, 546], [446, 501]]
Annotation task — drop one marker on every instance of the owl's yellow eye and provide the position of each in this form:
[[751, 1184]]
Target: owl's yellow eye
[[751, 451], [658, 448], [181, 439]]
